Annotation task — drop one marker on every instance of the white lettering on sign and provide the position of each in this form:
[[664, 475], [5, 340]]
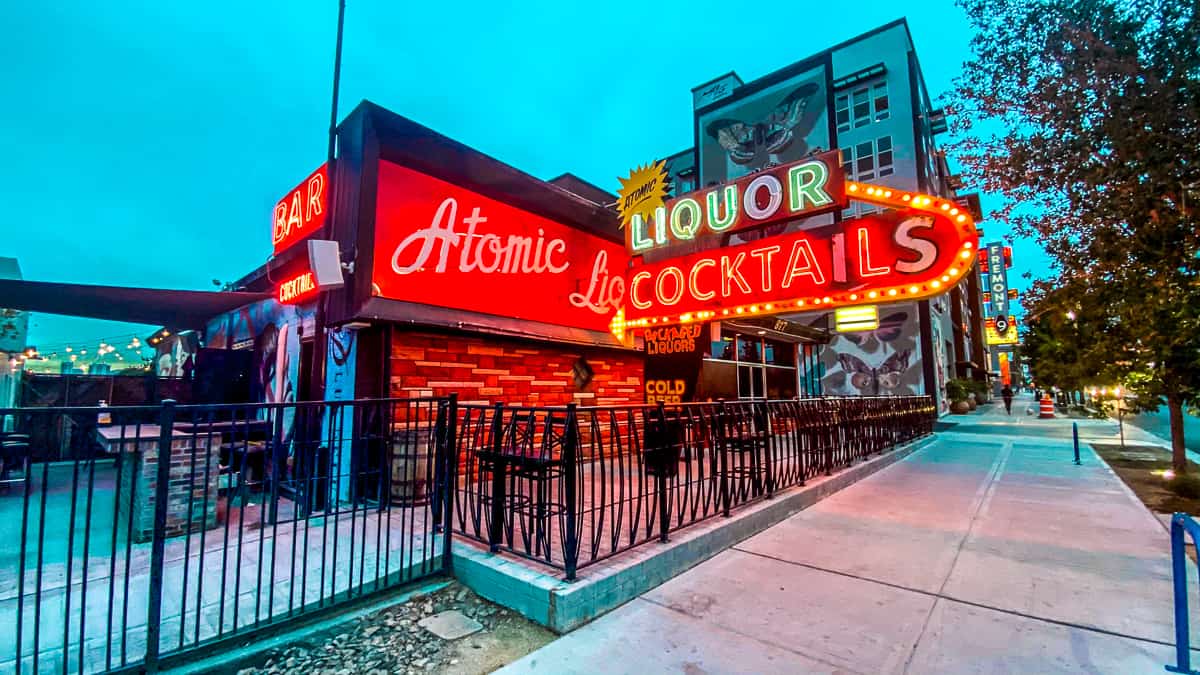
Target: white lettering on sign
[[488, 253], [603, 294]]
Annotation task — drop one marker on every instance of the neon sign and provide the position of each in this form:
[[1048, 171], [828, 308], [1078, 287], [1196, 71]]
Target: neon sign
[[786, 192], [917, 250], [297, 289], [302, 211], [439, 244]]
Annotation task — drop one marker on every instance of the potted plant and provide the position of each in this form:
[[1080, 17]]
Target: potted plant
[[981, 391], [956, 391]]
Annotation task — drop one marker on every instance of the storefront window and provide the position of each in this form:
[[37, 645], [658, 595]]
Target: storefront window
[[764, 368], [722, 349], [779, 353], [749, 349]]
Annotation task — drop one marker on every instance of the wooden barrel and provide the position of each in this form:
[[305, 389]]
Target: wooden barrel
[[412, 465]]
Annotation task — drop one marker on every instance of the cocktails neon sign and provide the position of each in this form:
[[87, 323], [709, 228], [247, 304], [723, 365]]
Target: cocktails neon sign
[[298, 288], [778, 194], [919, 249]]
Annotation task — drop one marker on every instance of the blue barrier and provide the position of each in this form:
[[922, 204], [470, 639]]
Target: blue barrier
[[1075, 436], [1183, 654]]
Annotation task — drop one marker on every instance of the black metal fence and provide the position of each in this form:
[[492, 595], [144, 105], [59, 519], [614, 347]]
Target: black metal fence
[[177, 527], [571, 486], [170, 528]]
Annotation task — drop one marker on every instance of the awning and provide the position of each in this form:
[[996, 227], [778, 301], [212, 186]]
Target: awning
[[176, 309]]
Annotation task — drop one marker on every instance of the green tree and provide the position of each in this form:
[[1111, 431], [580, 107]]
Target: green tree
[[1085, 116]]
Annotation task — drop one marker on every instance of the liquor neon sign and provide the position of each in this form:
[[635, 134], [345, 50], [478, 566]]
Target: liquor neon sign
[[302, 211], [917, 250], [297, 289], [788, 192]]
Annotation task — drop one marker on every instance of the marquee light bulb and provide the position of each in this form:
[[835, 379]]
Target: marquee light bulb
[[873, 295], [912, 289], [891, 291]]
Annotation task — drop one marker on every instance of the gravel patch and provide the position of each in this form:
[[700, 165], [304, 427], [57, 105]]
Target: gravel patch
[[392, 641]]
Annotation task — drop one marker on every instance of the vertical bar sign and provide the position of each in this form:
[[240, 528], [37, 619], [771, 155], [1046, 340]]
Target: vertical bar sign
[[997, 285], [997, 279]]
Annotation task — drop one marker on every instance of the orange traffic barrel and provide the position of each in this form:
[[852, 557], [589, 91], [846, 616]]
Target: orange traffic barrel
[[1046, 408]]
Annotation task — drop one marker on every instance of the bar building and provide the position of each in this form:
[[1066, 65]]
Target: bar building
[[465, 275]]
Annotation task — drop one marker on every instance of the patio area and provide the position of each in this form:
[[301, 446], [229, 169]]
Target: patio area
[[84, 596]]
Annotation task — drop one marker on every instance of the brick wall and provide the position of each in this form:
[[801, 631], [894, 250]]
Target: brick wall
[[487, 370]]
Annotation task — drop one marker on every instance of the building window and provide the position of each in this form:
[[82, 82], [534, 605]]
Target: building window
[[868, 160], [683, 186], [861, 106], [865, 162]]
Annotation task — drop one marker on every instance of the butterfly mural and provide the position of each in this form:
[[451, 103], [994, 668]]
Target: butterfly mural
[[884, 379], [782, 124], [890, 327], [883, 361], [760, 143]]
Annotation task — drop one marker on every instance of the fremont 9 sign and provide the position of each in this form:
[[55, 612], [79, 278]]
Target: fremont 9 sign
[[915, 251]]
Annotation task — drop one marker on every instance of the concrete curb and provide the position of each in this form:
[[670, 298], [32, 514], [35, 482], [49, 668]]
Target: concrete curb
[[543, 597]]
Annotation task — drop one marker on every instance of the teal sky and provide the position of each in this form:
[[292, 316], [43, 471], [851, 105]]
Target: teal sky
[[147, 142]]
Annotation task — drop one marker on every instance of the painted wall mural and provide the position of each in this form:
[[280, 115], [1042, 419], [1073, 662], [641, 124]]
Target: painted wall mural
[[272, 331], [779, 124], [885, 361]]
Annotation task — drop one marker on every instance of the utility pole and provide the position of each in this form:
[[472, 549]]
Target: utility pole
[[321, 339]]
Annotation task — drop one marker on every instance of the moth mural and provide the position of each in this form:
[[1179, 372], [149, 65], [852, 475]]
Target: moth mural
[[782, 123], [881, 362]]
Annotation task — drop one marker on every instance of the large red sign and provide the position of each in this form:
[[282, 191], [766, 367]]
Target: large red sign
[[897, 255], [302, 211], [778, 194], [439, 244]]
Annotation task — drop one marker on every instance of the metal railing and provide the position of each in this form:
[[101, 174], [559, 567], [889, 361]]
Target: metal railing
[[1181, 523], [173, 527], [571, 486]]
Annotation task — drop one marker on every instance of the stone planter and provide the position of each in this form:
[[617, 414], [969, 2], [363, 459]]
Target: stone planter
[[971, 405], [960, 408]]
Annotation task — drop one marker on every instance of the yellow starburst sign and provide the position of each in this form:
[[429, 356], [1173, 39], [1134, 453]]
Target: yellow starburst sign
[[643, 191]]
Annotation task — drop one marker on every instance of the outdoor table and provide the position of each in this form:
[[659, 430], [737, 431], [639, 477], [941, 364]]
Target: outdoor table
[[194, 468]]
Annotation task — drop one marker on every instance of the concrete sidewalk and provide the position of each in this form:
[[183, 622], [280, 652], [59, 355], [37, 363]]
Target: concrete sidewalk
[[986, 551]]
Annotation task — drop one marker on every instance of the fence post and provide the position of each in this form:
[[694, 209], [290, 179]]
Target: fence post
[[570, 475], [496, 524], [1183, 656], [723, 458], [665, 454], [450, 481], [166, 425], [768, 449]]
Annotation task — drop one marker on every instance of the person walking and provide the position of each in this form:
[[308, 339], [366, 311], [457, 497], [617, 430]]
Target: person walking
[[1007, 394]]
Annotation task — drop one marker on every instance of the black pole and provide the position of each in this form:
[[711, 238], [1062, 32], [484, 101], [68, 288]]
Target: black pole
[[337, 79], [321, 341]]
